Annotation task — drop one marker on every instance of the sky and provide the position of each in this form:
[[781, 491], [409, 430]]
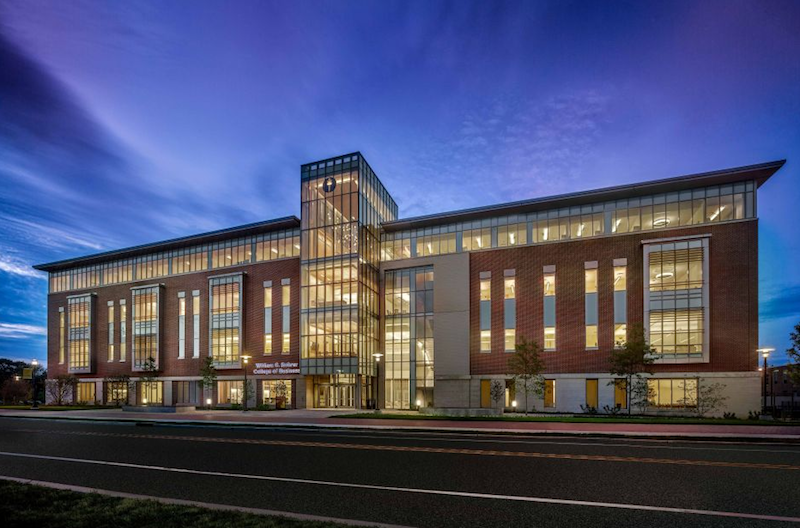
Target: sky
[[124, 123]]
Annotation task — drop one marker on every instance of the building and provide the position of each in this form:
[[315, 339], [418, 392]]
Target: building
[[351, 306], [782, 393]]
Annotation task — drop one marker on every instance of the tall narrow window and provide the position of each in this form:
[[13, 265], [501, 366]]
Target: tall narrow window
[[110, 326], [123, 330], [510, 309], [226, 314], [550, 308], [145, 327], [80, 333], [620, 302], [591, 393], [486, 311], [267, 318], [286, 290], [590, 304], [196, 324], [549, 393], [181, 325], [61, 336]]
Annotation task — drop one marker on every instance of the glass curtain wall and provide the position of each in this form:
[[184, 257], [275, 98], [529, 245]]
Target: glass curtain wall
[[80, 333], [409, 337], [342, 206], [145, 327]]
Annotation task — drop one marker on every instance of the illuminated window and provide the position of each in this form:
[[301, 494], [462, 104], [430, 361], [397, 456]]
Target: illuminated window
[[590, 304], [79, 333], [286, 341], [273, 390], [549, 393], [267, 318], [549, 311], [510, 310], [226, 313], [145, 326], [151, 392], [486, 312], [230, 392], [123, 330], [591, 393], [110, 330], [620, 394], [86, 392], [61, 335], [620, 302], [673, 393], [196, 324], [181, 325]]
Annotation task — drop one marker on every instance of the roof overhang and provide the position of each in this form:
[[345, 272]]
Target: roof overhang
[[278, 224], [760, 173]]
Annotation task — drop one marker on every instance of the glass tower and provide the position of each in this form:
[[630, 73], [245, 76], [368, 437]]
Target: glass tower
[[343, 204]]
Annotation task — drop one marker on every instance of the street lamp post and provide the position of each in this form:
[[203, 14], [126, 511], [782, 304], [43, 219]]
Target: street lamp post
[[765, 354], [245, 359], [377, 356], [34, 363], [336, 389]]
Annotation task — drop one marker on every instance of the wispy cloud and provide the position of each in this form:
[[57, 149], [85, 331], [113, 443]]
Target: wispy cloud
[[17, 267], [784, 303], [20, 331]]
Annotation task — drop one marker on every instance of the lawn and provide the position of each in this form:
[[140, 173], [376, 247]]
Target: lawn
[[571, 419], [37, 506]]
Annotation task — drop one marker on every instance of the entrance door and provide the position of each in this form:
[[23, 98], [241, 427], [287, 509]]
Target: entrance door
[[329, 396]]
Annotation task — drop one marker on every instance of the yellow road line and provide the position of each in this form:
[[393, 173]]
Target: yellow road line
[[436, 450]]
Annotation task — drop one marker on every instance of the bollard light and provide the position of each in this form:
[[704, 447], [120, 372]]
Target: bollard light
[[514, 404], [419, 403]]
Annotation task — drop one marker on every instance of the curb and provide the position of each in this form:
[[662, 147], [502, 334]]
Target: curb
[[662, 436]]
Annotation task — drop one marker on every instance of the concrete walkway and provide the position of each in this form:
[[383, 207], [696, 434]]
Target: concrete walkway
[[329, 418]]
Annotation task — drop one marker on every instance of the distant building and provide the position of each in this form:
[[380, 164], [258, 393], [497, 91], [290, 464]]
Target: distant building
[[348, 305], [782, 392]]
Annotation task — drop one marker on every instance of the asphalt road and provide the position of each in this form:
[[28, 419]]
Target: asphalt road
[[419, 479]]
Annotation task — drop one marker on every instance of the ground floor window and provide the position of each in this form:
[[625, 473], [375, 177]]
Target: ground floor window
[[591, 393], [86, 392], [486, 393], [151, 392], [620, 394], [185, 392], [117, 392], [229, 392], [397, 396], [510, 395], [277, 392], [673, 393], [549, 393]]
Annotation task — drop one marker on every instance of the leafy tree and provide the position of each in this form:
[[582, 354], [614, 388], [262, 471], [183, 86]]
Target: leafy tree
[[630, 361], [10, 368], [209, 373], [793, 353], [526, 365], [709, 397], [640, 394], [60, 387], [14, 391], [497, 392], [115, 386]]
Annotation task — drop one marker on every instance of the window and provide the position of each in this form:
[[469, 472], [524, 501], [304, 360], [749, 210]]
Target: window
[[549, 310], [286, 341], [80, 332], [273, 389], [185, 392], [196, 324], [116, 392], [486, 393], [512, 235], [267, 318], [549, 393], [123, 330], [620, 394], [230, 392], [110, 331], [151, 392], [590, 304], [145, 327], [226, 308], [591, 393], [510, 310], [409, 344], [86, 392], [620, 302], [61, 336], [673, 393], [676, 310], [181, 325], [486, 312]]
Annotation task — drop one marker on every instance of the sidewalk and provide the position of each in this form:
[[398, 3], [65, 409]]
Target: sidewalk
[[328, 419]]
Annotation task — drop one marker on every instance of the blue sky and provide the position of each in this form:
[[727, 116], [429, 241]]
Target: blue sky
[[129, 122]]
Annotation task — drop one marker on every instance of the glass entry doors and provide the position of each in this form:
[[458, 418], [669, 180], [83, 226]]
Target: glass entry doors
[[334, 396]]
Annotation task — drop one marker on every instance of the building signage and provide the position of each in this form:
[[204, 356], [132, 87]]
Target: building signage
[[283, 367], [329, 184]]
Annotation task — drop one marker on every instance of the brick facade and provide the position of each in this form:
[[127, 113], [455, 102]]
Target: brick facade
[[733, 298]]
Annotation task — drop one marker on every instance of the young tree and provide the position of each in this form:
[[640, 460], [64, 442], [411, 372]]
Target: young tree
[[527, 366], [118, 388], [497, 392], [640, 394], [209, 373], [709, 397], [630, 361], [59, 388], [793, 353]]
